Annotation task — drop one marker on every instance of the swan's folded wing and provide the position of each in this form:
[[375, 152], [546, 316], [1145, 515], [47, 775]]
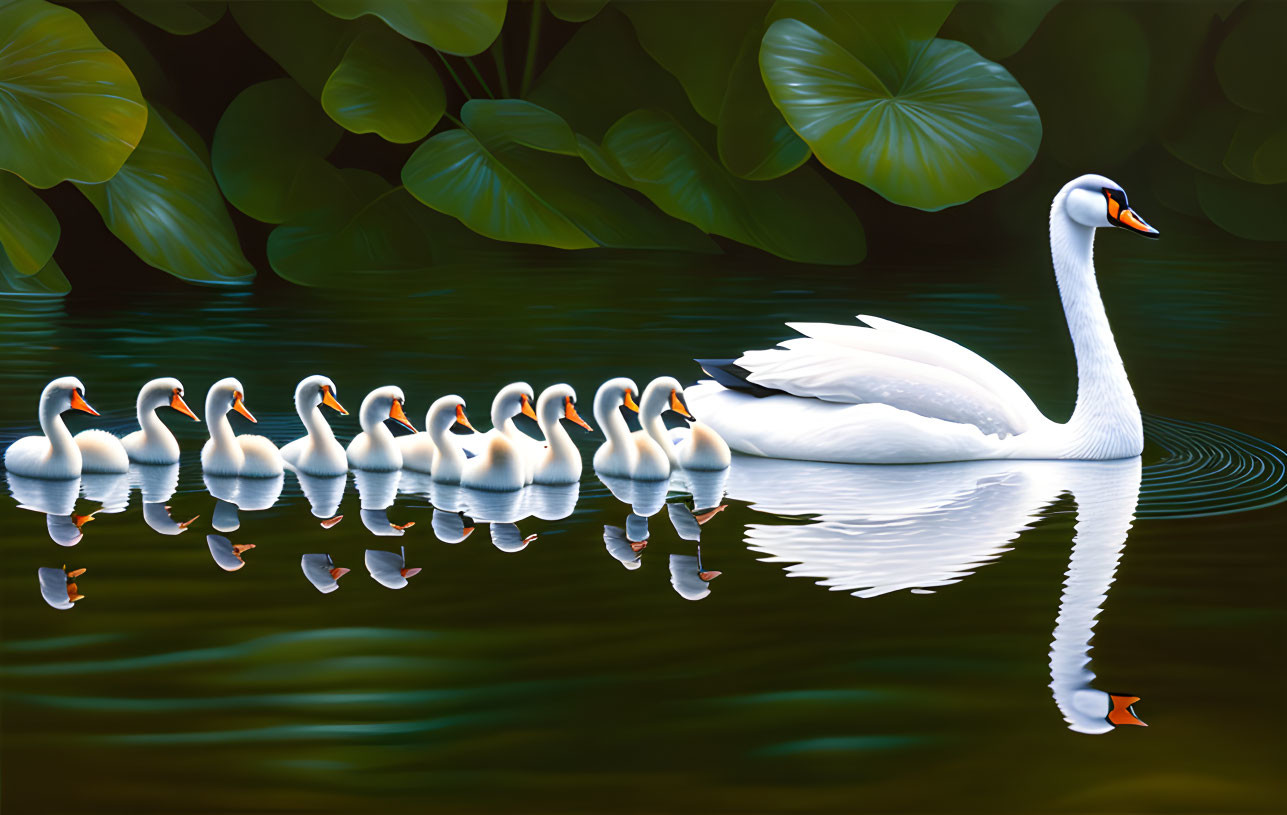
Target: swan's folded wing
[[912, 344], [816, 369]]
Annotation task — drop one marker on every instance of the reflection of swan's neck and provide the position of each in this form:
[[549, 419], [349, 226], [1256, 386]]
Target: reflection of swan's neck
[[1106, 421], [1105, 511], [310, 413], [51, 422]]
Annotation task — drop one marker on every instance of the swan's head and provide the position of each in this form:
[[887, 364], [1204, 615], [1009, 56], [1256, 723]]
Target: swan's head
[[662, 394], [613, 394], [318, 390], [385, 403], [225, 395], [1096, 201], [559, 402], [512, 400], [1094, 711], [63, 394], [445, 412], [165, 392]]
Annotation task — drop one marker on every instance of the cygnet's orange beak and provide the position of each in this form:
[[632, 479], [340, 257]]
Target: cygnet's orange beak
[[330, 401], [398, 415], [73, 594], [677, 405], [238, 548], [469, 530], [189, 522], [78, 403], [1122, 712], [406, 525], [338, 572], [709, 576], [81, 520], [638, 546], [529, 539], [240, 407], [569, 413], [710, 513], [461, 419], [330, 522], [527, 407], [176, 402], [408, 573], [75, 573], [629, 400]]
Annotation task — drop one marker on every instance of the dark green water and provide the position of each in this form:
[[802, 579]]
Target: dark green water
[[555, 680]]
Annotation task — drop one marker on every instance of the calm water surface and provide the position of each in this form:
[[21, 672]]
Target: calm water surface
[[931, 652]]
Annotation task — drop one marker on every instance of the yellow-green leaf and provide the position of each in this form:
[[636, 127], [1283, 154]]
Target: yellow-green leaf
[[462, 28], [178, 17], [28, 227], [47, 281], [384, 85]]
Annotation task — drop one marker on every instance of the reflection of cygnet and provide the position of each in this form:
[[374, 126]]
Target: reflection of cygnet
[[688, 577], [158, 517], [508, 538], [226, 553], [225, 517], [56, 587], [450, 527], [389, 568], [688, 525], [322, 573], [64, 530], [627, 552], [378, 523]]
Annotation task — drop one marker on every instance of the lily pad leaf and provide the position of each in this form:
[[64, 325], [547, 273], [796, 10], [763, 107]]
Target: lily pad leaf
[[461, 28], [178, 17], [48, 281], [384, 85], [69, 109], [269, 150], [28, 227], [955, 125], [166, 207], [575, 11], [798, 217], [754, 140], [307, 42], [515, 173]]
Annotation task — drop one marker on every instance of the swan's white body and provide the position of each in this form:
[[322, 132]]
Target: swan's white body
[[625, 455], [890, 394], [56, 454], [449, 458], [374, 448], [317, 453], [227, 454], [510, 401], [697, 447], [558, 461], [153, 443], [102, 452]]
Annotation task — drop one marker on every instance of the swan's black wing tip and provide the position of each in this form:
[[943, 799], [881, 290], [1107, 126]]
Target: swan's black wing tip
[[734, 377]]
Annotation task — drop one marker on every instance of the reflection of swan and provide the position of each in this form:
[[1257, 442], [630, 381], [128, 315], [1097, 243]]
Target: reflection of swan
[[689, 578], [879, 529], [374, 448], [55, 454], [226, 553], [706, 486], [231, 494], [158, 517], [57, 588], [625, 455], [551, 502], [321, 572], [317, 453], [389, 569], [56, 500], [687, 524], [451, 527], [894, 394], [376, 493], [696, 447], [323, 494], [153, 443], [156, 484], [226, 454], [644, 497], [626, 545], [507, 537]]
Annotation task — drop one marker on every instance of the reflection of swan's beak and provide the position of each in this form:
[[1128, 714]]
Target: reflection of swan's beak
[[78, 403], [569, 413], [629, 401], [677, 405], [330, 522], [396, 414], [189, 522], [410, 572], [75, 573], [469, 530], [238, 548], [527, 407], [81, 520], [1122, 712], [709, 576], [73, 594], [529, 539], [338, 572], [638, 546], [176, 402], [710, 513], [406, 525], [461, 419], [240, 407], [329, 400]]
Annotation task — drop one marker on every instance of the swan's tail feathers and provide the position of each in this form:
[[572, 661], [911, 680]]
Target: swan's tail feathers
[[734, 377]]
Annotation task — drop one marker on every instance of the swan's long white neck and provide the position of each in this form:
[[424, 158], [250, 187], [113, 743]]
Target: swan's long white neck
[[372, 420], [221, 435], [154, 430], [60, 438], [310, 413], [562, 448], [1106, 420], [607, 413], [438, 422]]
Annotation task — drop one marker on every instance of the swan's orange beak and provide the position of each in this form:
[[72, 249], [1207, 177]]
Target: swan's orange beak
[[527, 408], [710, 513], [81, 520], [329, 400], [176, 402], [677, 405], [1126, 218], [629, 400], [240, 407], [569, 413], [1122, 712], [406, 525], [469, 530], [461, 419], [396, 414], [78, 403]]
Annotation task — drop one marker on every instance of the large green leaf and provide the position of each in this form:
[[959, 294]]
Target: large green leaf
[[28, 227], [516, 174], [755, 142], [178, 17], [575, 11], [798, 216], [955, 126], [462, 28], [996, 28], [269, 149], [69, 108], [384, 85], [119, 34], [1252, 62], [307, 42], [166, 207], [48, 280]]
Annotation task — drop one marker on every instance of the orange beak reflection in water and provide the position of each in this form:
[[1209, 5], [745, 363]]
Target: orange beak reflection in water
[[1122, 712], [240, 407], [330, 401], [569, 413], [398, 415], [176, 402]]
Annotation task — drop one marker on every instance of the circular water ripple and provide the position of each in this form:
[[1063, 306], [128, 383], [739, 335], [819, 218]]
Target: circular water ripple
[[1206, 469]]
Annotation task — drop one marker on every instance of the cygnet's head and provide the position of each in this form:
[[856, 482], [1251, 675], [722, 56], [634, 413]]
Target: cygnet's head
[[385, 403], [662, 394], [66, 393], [225, 395], [164, 392], [318, 390]]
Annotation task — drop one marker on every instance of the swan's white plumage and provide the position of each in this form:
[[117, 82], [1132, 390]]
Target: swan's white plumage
[[318, 453], [510, 401], [693, 448], [374, 448], [635, 456], [449, 459], [55, 454], [225, 454], [558, 461], [153, 442], [102, 452]]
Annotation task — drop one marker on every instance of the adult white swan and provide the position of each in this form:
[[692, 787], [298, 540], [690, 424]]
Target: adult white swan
[[56, 454], [318, 453], [226, 454], [374, 448], [153, 443], [893, 394]]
